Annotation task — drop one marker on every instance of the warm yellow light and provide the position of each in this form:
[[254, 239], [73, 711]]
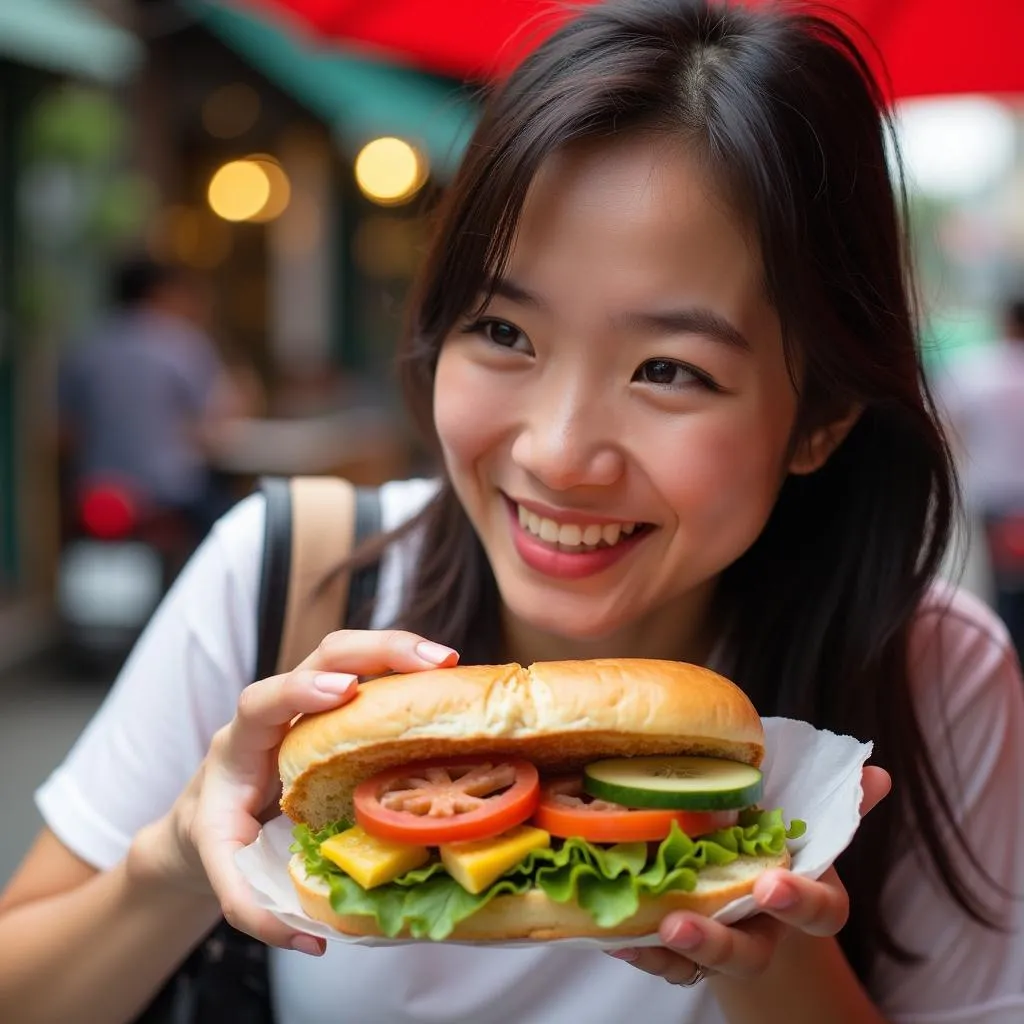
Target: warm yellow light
[[389, 171], [280, 193], [239, 190]]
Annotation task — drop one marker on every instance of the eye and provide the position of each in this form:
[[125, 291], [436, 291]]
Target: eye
[[667, 373], [500, 333]]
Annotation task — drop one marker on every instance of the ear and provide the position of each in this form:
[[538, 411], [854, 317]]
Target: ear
[[815, 449]]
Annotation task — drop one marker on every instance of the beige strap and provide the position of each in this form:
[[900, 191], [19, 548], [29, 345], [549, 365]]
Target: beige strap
[[323, 528]]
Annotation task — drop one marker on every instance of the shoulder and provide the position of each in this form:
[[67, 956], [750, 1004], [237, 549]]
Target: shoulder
[[236, 544], [969, 697], [401, 501], [970, 702], [180, 684], [240, 532], [951, 612], [959, 652]]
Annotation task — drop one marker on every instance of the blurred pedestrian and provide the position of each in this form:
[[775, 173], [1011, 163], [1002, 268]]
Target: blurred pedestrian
[[982, 394], [141, 400]]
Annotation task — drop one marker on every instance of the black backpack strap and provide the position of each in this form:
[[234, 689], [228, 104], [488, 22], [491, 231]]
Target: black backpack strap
[[277, 557], [362, 588]]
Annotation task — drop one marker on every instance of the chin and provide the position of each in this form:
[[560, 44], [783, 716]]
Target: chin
[[568, 616]]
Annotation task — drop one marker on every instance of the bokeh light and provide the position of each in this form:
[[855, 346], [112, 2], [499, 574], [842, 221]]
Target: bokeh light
[[280, 189], [389, 171], [253, 189]]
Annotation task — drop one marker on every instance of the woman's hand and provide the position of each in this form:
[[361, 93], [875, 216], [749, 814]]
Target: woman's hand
[[237, 785], [744, 950]]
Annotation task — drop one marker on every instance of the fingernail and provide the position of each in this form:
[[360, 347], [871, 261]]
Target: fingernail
[[779, 896], [686, 936], [629, 955], [334, 683], [307, 944], [436, 654]]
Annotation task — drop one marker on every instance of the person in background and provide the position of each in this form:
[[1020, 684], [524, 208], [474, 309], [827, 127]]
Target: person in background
[[982, 394], [142, 400]]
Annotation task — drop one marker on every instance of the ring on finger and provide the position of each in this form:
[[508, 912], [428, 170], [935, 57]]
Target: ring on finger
[[700, 972]]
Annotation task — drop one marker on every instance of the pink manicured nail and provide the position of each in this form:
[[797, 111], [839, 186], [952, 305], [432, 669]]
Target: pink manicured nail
[[307, 944], [629, 955], [779, 896], [436, 654], [334, 683], [686, 936]]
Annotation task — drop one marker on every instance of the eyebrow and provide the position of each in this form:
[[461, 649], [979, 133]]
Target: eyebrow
[[690, 320], [508, 289]]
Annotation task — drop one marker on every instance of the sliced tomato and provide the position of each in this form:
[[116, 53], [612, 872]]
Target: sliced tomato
[[447, 800], [565, 810]]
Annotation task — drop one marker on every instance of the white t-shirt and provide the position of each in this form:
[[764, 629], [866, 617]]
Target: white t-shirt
[[182, 683]]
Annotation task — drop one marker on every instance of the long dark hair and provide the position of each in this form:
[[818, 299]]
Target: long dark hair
[[785, 112]]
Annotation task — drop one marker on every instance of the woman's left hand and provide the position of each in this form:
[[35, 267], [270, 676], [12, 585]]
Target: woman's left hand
[[744, 950]]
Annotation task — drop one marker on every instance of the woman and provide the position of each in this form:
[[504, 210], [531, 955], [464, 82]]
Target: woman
[[666, 298]]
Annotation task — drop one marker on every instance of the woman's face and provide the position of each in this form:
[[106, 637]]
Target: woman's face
[[617, 420]]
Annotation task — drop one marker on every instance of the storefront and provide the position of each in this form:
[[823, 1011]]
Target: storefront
[[43, 43], [335, 261]]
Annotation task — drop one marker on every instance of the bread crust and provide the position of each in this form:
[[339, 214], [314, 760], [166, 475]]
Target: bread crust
[[533, 916], [559, 715]]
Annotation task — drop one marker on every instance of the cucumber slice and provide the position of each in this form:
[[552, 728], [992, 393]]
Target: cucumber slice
[[675, 783]]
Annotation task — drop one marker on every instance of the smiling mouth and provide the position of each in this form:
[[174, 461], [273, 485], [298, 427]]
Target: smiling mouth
[[577, 538]]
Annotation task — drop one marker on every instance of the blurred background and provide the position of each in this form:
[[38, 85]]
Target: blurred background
[[282, 158]]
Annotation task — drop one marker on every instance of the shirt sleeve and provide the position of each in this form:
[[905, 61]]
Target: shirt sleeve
[[971, 704], [180, 684]]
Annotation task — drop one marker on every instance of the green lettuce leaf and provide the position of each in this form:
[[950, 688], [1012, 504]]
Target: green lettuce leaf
[[606, 881]]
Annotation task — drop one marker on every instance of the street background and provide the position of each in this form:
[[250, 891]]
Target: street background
[[296, 174]]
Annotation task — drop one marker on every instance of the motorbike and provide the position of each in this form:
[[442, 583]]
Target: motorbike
[[1005, 537], [119, 556], [1006, 544]]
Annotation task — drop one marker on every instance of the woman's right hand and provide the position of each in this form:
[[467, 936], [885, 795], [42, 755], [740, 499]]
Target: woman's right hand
[[237, 785]]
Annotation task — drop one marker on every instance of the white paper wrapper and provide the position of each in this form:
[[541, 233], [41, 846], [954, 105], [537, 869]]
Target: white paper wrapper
[[810, 773]]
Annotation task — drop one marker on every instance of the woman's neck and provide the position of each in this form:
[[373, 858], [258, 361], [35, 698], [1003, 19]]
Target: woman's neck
[[683, 630]]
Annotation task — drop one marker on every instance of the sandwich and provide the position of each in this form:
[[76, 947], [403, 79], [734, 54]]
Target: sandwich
[[494, 803]]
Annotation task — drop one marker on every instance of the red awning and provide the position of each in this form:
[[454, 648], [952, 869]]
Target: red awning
[[931, 47]]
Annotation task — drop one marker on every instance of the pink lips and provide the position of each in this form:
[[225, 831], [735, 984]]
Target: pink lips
[[564, 565], [559, 516]]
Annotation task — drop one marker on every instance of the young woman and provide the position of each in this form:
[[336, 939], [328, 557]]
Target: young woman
[[667, 297]]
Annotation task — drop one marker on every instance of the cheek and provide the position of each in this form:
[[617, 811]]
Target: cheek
[[466, 411], [728, 476]]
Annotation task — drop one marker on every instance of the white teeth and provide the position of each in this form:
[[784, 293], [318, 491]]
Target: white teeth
[[573, 535], [549, 531]]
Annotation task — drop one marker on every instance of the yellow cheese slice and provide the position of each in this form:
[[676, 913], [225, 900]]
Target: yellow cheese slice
[[478, 863], [369, 860]]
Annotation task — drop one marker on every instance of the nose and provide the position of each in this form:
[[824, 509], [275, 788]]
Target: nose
[[566, 440]]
